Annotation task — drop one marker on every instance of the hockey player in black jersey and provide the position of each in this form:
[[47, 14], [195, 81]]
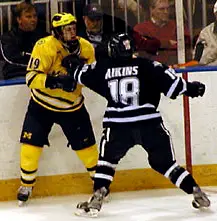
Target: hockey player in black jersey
[[132, 87]]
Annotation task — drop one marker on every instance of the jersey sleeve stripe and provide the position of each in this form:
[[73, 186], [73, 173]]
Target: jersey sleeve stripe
[[184, 87], [30, 76], [172, 88], [30, 79], [77, 75]]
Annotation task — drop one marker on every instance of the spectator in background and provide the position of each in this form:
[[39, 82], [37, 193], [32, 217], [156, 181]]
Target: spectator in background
[[132, 11], [131, 5], [98, 29], [17, 44], [162, 27], [119, 9], [205, 50], [172, 9]]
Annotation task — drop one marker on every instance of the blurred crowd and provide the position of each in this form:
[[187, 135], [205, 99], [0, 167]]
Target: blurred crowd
[[151, 23]]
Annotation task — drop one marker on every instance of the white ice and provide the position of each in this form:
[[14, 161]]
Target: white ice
[[146, 205]]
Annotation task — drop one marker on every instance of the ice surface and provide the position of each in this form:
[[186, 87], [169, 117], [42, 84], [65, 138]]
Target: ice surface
[[146, 205]]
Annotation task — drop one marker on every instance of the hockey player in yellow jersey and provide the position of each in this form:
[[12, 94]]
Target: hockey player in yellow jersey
[[55, 98]]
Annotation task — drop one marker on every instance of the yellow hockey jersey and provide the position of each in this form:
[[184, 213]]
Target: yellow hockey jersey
[[46, 59]]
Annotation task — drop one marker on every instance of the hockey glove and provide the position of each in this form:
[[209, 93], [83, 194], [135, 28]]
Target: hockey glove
[[195, 89], [64, 82], [71, 63]]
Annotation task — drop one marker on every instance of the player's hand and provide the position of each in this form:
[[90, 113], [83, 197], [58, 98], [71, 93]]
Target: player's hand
[[195, 89], [173, 43], [71, 63], [64, 82]]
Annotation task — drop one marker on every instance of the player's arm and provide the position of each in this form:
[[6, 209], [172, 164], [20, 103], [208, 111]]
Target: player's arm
[[11, 52], [87, 51], [148, 44], [38, 76], [84, 74], [91, 57], [172, 85], [38, 66]]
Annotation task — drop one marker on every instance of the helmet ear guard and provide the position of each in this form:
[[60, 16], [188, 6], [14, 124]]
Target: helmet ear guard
[[57, 32]]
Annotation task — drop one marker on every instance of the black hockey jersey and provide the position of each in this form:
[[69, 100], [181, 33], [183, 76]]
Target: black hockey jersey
[[132, 87]]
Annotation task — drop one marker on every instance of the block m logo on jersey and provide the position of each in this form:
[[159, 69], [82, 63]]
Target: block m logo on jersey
[[27, 135]]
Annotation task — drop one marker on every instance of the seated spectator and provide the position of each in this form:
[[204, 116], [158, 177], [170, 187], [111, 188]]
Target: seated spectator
[[132, 11], [98, 29], [17, 44], [205, 51], [162, 27], [172, 9]]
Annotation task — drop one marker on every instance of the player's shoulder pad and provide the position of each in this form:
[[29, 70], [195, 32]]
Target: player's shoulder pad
[[46, 44], [84, 42], [87, 50], [44, 41], [157, 64]]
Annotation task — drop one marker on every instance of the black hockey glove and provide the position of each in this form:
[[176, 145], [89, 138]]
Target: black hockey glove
[[71, 63], [64, 82], [195, 89]]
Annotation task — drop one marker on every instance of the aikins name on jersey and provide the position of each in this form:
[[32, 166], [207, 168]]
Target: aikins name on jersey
[[121, 72]]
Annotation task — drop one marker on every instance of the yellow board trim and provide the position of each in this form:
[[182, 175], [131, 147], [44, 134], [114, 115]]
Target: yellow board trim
[[125, 180]]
